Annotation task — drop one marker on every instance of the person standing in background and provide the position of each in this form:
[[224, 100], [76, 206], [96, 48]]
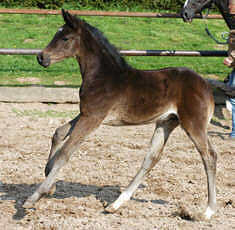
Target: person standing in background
[[230, 62]]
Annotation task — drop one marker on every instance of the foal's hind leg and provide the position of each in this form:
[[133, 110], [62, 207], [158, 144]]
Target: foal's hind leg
[[209, 157], [159, 139], [83, 127], [211, 178]]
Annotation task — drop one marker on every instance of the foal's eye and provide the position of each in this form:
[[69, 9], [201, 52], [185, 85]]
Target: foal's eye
[[65, 39]]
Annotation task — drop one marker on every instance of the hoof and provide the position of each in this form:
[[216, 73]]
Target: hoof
[[209, 212], [28, 204], [110, 209], [52, 190]]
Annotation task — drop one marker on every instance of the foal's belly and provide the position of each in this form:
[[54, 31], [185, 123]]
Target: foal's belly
[[124, 113]]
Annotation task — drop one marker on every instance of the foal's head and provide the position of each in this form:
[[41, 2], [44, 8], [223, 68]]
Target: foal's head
[[191, 7], [65, 42]]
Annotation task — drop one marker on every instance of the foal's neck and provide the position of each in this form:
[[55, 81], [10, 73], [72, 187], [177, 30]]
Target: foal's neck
[[88, 64]]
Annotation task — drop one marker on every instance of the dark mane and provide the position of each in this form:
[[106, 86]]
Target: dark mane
[[105, 46]]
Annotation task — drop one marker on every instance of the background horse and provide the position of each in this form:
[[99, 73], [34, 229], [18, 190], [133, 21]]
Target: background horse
[[191, 7], [169, 97]]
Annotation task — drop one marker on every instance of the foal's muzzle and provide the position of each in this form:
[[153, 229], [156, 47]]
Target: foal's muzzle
[[43, 60]]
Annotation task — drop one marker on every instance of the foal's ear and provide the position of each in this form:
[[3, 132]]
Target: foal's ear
[[69, 19]]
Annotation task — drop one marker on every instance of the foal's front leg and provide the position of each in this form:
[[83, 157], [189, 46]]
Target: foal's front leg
[[84, 126]]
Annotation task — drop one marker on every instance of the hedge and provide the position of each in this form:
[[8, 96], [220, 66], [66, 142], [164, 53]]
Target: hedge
[[144, 4], [98, 4], [44, 4]]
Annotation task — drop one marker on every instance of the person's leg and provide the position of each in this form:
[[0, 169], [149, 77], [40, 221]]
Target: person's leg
[[232, 101], [232, 134]]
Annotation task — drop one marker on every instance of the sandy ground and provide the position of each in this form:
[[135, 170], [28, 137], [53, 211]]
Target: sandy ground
[[170, 197]]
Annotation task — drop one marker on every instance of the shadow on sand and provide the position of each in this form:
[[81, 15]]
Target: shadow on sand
[[20, 192]]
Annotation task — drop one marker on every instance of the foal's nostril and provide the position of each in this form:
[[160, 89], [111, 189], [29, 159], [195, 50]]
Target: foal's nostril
[[40, 58], [43, 59]]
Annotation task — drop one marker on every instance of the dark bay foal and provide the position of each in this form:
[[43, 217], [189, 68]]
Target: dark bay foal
[[169, 97]]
